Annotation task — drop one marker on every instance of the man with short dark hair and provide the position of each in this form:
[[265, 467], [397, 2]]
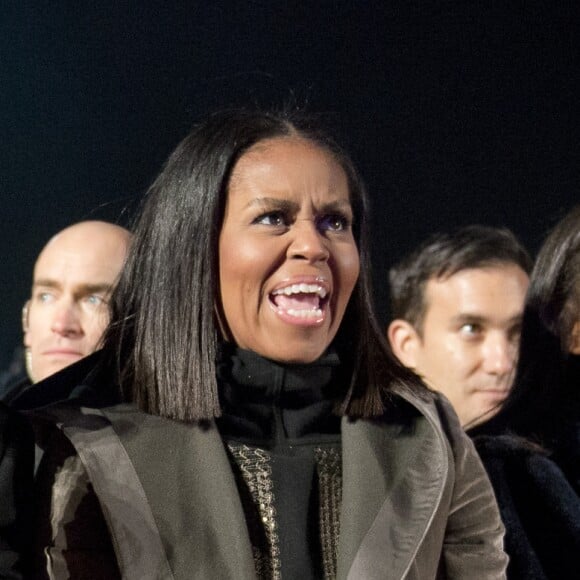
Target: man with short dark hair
[[456, 306]]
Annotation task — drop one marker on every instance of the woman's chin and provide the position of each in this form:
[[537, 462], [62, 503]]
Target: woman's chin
[[293, 353]]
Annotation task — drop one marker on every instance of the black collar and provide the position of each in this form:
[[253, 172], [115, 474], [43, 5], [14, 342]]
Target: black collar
[[267, 402]]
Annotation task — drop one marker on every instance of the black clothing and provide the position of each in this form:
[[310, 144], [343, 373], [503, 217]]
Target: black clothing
[[14, 377], [12, 390], [268, 403], [16, 466], [79, 383], [284, 445], [539, 506], [531, 451]]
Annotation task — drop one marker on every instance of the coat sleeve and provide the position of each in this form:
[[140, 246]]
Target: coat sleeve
[[16, 469], [72, 536], [473, 544]]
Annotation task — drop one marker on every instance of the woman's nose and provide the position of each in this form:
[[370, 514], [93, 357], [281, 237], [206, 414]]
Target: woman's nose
[[307, 242]]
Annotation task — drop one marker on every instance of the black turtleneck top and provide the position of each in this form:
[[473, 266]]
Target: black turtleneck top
[[284, 444]]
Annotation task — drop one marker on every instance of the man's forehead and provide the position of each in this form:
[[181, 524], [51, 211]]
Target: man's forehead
[[497, 289], [71, 255], [75, 286], [74, 273]]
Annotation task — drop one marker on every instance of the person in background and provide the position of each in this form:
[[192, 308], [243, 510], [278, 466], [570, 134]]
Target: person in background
[[531, 448], [67, 312], [456, 306], [266, 430]]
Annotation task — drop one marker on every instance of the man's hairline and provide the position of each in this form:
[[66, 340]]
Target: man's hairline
[[444, 275]]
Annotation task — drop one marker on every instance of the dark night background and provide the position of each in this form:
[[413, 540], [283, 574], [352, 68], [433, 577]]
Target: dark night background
[[456, 112]]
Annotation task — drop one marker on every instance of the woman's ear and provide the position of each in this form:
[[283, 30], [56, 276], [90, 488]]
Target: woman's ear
[[575, 339], [404, 341]]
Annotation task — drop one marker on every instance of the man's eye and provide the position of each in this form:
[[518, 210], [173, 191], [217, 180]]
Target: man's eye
[[333, 223], [470, 329], [94, 300], [273, 218], [44, 297]]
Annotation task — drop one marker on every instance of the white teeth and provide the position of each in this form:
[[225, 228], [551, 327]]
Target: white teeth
[[316, 313], [301, 289]]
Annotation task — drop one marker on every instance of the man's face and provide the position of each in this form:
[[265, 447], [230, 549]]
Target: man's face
[[469, 344], [67, 312]]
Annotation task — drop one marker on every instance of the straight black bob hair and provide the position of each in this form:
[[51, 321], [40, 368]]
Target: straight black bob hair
[[163, 339]]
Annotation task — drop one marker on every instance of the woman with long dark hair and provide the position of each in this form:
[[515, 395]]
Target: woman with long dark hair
[[266, 430], [531, 449]]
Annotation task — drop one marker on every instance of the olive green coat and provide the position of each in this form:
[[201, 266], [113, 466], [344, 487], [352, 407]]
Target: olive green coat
[[416, 501]]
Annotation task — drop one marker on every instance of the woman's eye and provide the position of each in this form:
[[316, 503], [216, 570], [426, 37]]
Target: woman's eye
[[333, 223], [273, 218]]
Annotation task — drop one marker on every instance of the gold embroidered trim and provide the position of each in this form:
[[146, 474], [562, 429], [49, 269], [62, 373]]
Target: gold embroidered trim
[[257, 497], [329, 466], [254, 475]]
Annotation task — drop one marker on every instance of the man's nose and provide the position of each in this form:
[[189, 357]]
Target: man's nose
[[308, 243], [500, 354], [66, 320]]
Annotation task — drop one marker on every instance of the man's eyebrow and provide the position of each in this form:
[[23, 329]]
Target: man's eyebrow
[[94, 288], [466, 317], [46, 283], [100, 287], [517, 318]]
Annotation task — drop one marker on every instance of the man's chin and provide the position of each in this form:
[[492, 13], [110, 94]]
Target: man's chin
[[53, 366], [483, 415]]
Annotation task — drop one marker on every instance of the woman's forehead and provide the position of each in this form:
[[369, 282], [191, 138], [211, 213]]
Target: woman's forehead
[[288, 161]]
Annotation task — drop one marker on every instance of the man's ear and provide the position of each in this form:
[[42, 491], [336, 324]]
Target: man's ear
[[25, 314], [575, 339], [405, 341]]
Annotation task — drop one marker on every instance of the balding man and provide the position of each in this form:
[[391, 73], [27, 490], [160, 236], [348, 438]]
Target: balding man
[[67, 312]]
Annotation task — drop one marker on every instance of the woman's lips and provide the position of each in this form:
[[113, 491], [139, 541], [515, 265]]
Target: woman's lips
[[301, 301]]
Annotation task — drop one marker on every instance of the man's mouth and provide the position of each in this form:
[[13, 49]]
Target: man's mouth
[[62, 352], [495, 393], [301, 301]]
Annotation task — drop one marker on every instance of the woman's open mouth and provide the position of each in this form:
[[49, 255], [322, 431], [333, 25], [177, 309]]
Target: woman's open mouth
[[301, 303]]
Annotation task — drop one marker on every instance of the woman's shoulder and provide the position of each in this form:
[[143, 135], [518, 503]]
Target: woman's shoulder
[[431, 405]]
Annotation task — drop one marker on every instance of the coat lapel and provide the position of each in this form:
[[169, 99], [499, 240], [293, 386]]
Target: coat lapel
[[393, 480], [197, 511]]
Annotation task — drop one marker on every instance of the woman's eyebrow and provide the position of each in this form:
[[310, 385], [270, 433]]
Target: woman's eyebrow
[[337, 205], [274, 203]]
